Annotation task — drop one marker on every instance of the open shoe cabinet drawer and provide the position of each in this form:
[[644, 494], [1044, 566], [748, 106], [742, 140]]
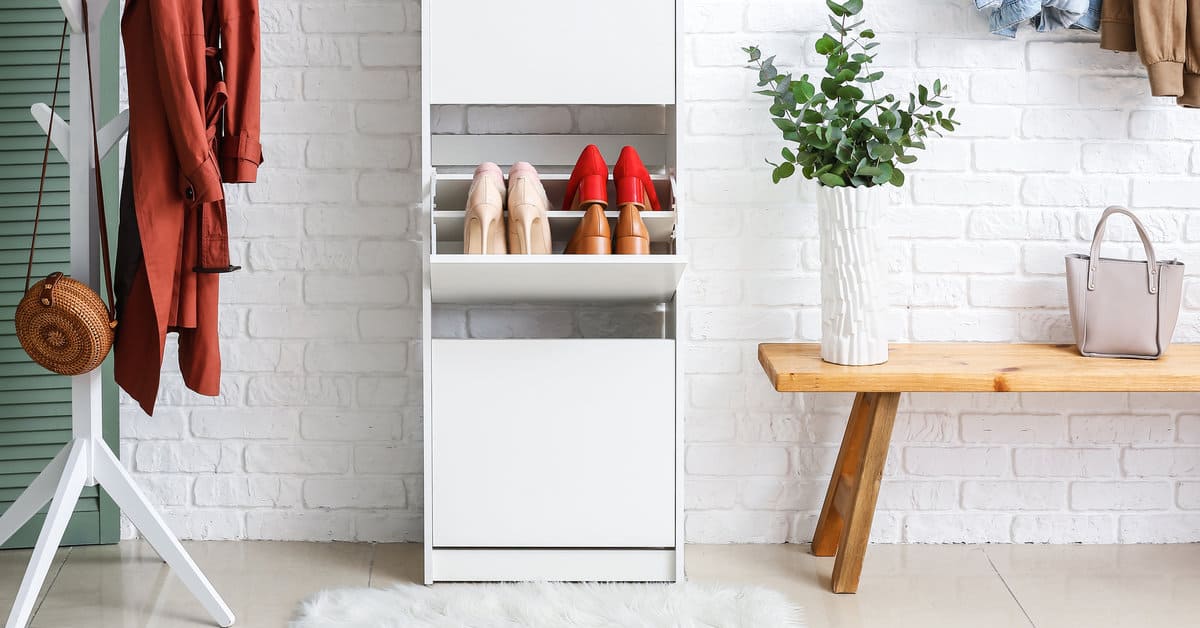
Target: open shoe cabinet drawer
[[553, 443], [552, 52]]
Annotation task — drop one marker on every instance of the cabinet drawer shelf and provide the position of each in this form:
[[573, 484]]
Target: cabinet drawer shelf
[[471, 279], [661, 224]]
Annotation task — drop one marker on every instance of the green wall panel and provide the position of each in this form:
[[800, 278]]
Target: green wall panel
[[35, 405]]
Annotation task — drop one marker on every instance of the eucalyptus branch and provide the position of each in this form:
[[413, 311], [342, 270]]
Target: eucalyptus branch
[[841, 137]]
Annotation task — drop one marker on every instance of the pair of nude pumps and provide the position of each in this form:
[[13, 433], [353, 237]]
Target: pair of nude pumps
[[527, 231]]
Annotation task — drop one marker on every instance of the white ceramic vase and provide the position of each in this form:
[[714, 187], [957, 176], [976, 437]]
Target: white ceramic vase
[[854, 294]]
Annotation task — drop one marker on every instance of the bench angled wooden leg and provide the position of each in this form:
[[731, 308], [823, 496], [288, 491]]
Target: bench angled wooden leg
[[844, 527]]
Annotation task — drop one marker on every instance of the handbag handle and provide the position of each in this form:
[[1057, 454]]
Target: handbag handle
[[1098, 238], [96, 169]]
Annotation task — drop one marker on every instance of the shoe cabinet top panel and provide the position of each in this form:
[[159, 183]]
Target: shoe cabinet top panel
[[551, 52]]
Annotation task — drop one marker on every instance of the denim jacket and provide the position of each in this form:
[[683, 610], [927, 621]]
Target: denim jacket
[[1044, 15]]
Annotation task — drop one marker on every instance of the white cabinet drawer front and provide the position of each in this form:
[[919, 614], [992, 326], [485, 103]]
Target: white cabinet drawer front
[[553, 443], [552, 51]]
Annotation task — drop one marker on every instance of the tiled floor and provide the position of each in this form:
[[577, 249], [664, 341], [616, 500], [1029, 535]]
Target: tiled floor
[[1145, 586]]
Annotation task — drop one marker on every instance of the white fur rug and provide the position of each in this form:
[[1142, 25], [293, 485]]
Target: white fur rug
[[559, 605]]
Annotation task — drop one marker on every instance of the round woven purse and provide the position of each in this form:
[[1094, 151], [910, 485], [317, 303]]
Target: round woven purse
[[62, 323]]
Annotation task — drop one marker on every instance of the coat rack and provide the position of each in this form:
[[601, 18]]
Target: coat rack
[[87, 459]]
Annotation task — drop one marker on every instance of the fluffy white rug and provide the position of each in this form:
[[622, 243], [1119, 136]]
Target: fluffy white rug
[[558, 605]]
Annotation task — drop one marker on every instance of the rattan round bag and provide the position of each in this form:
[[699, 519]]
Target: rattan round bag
[[64, 326], [62, 323]]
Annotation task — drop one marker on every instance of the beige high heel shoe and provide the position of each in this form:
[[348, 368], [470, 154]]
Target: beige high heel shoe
[[528, 226], [483, 231]]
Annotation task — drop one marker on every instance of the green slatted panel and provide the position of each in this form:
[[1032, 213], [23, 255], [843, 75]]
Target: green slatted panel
[[35, 405]]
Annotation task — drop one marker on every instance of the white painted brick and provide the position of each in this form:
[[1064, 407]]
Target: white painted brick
[[1135, 157], [247, 492], [1060, 191], [361, 289], [1159, 192], [1017, 87], [1051, 327], [1059, 462], [1188, 495], [1038, 157], [388, 527], [1109, 429], [291, 459], [330, 152], [1006, 495], [1173, 124], [291, 525], [359, 221], [495, 119], [1120, 495], [1159, 528], [706, 494], [209, 524], [1082, 56], [922, 427], [1010, 428], [1043, 258], [228, 423], [1073, 123], [732, 325], [714, 526], [354, 84], [963, 190], [959, 325], [1009, 224], [948, 257], [293, 391], [377, 17], [354, 493], [963, 53], [772, 494], [166, 424], [381, 392], [1064, 528], [957, 528], [729, 460], [300, 322], [1161, 461], [186, 457], [709, 426], [387, 459], [956, 461], [305, 118], [165, 490], [907, 495], [389, 50], [989, 292]]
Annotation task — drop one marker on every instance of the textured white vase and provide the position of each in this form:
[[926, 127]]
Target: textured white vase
[[854, 294]]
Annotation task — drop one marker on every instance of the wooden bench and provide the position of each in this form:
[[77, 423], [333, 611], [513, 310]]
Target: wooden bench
[[845, 523]]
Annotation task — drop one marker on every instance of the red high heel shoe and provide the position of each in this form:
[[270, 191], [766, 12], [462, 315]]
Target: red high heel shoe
[[635, 191], [587, 190]]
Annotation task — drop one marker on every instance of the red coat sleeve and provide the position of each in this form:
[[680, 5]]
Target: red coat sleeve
[[241, 152], [185, 118]]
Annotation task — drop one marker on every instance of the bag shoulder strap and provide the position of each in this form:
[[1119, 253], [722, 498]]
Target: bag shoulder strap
[[1098, 239], [96, 169], [37, 213]]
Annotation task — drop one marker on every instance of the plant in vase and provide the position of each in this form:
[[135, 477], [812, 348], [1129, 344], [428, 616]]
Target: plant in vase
[[852, 142]]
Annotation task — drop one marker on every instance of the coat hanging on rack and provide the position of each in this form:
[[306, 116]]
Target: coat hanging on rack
[[193, 70]]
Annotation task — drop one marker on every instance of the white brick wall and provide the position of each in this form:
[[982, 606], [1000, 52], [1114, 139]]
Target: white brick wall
[[317, 432]]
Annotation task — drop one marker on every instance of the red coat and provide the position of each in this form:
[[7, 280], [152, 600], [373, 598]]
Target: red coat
[[193, 71]]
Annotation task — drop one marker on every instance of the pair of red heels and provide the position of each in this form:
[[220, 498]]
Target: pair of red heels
[[587, 191]]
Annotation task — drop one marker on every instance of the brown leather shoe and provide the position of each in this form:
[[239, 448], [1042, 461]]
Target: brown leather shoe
[[632, 237], [593, 235]]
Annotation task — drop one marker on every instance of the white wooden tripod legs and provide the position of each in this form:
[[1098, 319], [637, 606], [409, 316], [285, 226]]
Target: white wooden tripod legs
[[36, 495], [60, 483], [121, 487], [70, 483]]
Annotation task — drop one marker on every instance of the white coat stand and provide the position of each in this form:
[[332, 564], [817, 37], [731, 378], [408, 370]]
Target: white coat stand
[[87, 459]]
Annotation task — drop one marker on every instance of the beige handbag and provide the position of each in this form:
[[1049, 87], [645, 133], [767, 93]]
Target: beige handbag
[[1123, 308]]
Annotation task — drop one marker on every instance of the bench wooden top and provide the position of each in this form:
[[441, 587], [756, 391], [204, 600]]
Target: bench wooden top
[[981, 367]]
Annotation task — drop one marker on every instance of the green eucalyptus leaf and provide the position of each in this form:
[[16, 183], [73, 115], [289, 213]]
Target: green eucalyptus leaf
[[853, 7], [784, 124], [836, 8], [897, 178], [783, 171], [826, 44], [867, 34], [788, 154], [849, 91], [832, 180]]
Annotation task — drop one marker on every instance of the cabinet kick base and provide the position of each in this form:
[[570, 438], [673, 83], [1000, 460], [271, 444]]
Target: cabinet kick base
[[561, 565]]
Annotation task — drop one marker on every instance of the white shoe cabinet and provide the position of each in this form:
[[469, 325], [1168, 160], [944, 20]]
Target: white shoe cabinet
[[551, 458]]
